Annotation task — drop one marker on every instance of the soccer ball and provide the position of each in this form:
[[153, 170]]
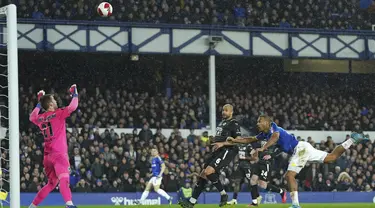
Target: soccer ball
[[105, 9]]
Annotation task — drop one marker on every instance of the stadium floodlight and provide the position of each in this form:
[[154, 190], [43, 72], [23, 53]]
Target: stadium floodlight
[[9, 129]]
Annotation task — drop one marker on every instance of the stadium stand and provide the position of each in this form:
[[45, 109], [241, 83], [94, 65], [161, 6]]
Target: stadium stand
[[344, 14], [158, 92]]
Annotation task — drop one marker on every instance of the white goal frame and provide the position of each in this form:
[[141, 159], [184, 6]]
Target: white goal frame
[[10, 11]]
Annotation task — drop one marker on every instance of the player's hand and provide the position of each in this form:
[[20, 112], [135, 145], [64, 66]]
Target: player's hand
[[73, 90], [218, 145], [159, 176], [267, 157], [260, 149], [230, 139], [40, 94]]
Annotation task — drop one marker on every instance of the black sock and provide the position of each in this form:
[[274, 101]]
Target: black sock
[[273, 188], [254, 192], [235, 194], [199, 186], [214, 178]]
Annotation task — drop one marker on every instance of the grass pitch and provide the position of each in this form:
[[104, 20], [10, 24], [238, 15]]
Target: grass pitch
[[346, 205]]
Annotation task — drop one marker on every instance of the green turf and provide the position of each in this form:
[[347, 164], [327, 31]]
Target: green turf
[[347, 205]]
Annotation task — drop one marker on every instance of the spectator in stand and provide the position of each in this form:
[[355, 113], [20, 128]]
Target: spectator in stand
[[298, 13]]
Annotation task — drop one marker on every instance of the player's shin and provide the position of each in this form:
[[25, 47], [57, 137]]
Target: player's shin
[[292, 183], [254, 193], [274, 189], [214, 178], [199, 186], [162, 193], [65, 190], [43, 193]]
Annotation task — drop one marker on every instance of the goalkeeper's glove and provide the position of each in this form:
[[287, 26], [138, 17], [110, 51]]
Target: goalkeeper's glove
[[73, 91], [41, 93]]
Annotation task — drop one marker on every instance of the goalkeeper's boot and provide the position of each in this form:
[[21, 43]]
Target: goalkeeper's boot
[[295, 206], [70, 206], [232, 202], [253, 205], [223, 200], [283, 196], [358, 137]]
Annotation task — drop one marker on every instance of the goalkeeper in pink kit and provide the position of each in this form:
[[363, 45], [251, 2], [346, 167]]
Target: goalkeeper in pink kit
[[56, 159]]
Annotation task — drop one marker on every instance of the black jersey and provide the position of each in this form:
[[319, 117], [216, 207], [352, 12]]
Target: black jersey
[[227, 128], [273, 151], [244, 153]]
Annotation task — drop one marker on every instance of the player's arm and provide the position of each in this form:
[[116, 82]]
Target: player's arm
[[163, 167], [73, 103], [237, 139], [254, 155], [34, 114], [242, 140], [274, 138]]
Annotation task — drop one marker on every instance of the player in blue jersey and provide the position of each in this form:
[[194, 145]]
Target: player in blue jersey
[[301, 152], [158, 168]]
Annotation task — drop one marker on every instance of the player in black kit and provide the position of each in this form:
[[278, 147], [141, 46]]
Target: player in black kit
[[257, 173], [261, 172], [223, 153], [243, 169]]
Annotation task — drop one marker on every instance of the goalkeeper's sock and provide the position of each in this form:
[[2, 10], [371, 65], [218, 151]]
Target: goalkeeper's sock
[[294, 196]]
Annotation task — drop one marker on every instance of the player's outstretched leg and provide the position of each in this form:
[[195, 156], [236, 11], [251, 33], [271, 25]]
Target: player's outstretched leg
[[339, 150], [145, 193], [65, 190], [254, 191], [164, 194], [272, 188], [199, 187], [292, 183], [213, 176], [237, 188], [43, 193]]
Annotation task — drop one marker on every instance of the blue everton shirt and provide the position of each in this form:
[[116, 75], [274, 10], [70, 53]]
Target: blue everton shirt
[[286, 142], [156, 165]]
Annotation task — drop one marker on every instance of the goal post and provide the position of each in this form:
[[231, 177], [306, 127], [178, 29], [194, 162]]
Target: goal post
[[11, 33]]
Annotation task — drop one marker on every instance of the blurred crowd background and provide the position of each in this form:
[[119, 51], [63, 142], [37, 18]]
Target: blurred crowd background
[[158, 92], [327, 14]]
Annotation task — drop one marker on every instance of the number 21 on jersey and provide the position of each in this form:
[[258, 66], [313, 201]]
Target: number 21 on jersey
[[47, 130]]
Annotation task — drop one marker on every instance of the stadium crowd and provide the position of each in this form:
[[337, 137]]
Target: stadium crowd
[[343, 14], [153, 94]]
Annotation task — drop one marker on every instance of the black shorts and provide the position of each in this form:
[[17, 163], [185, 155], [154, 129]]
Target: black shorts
[[262, 170], [242, 171], [220, 158]]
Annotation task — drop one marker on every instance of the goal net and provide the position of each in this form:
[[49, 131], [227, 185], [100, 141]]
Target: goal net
[[9, 115]]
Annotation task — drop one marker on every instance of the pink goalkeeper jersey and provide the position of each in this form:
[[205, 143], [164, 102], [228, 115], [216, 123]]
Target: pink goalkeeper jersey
[[52, 125]]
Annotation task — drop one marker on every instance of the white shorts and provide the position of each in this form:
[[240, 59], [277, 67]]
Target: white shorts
[[303, 153], [156, 181]]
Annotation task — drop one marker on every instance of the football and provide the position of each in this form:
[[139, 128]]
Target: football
[[105, 9]]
